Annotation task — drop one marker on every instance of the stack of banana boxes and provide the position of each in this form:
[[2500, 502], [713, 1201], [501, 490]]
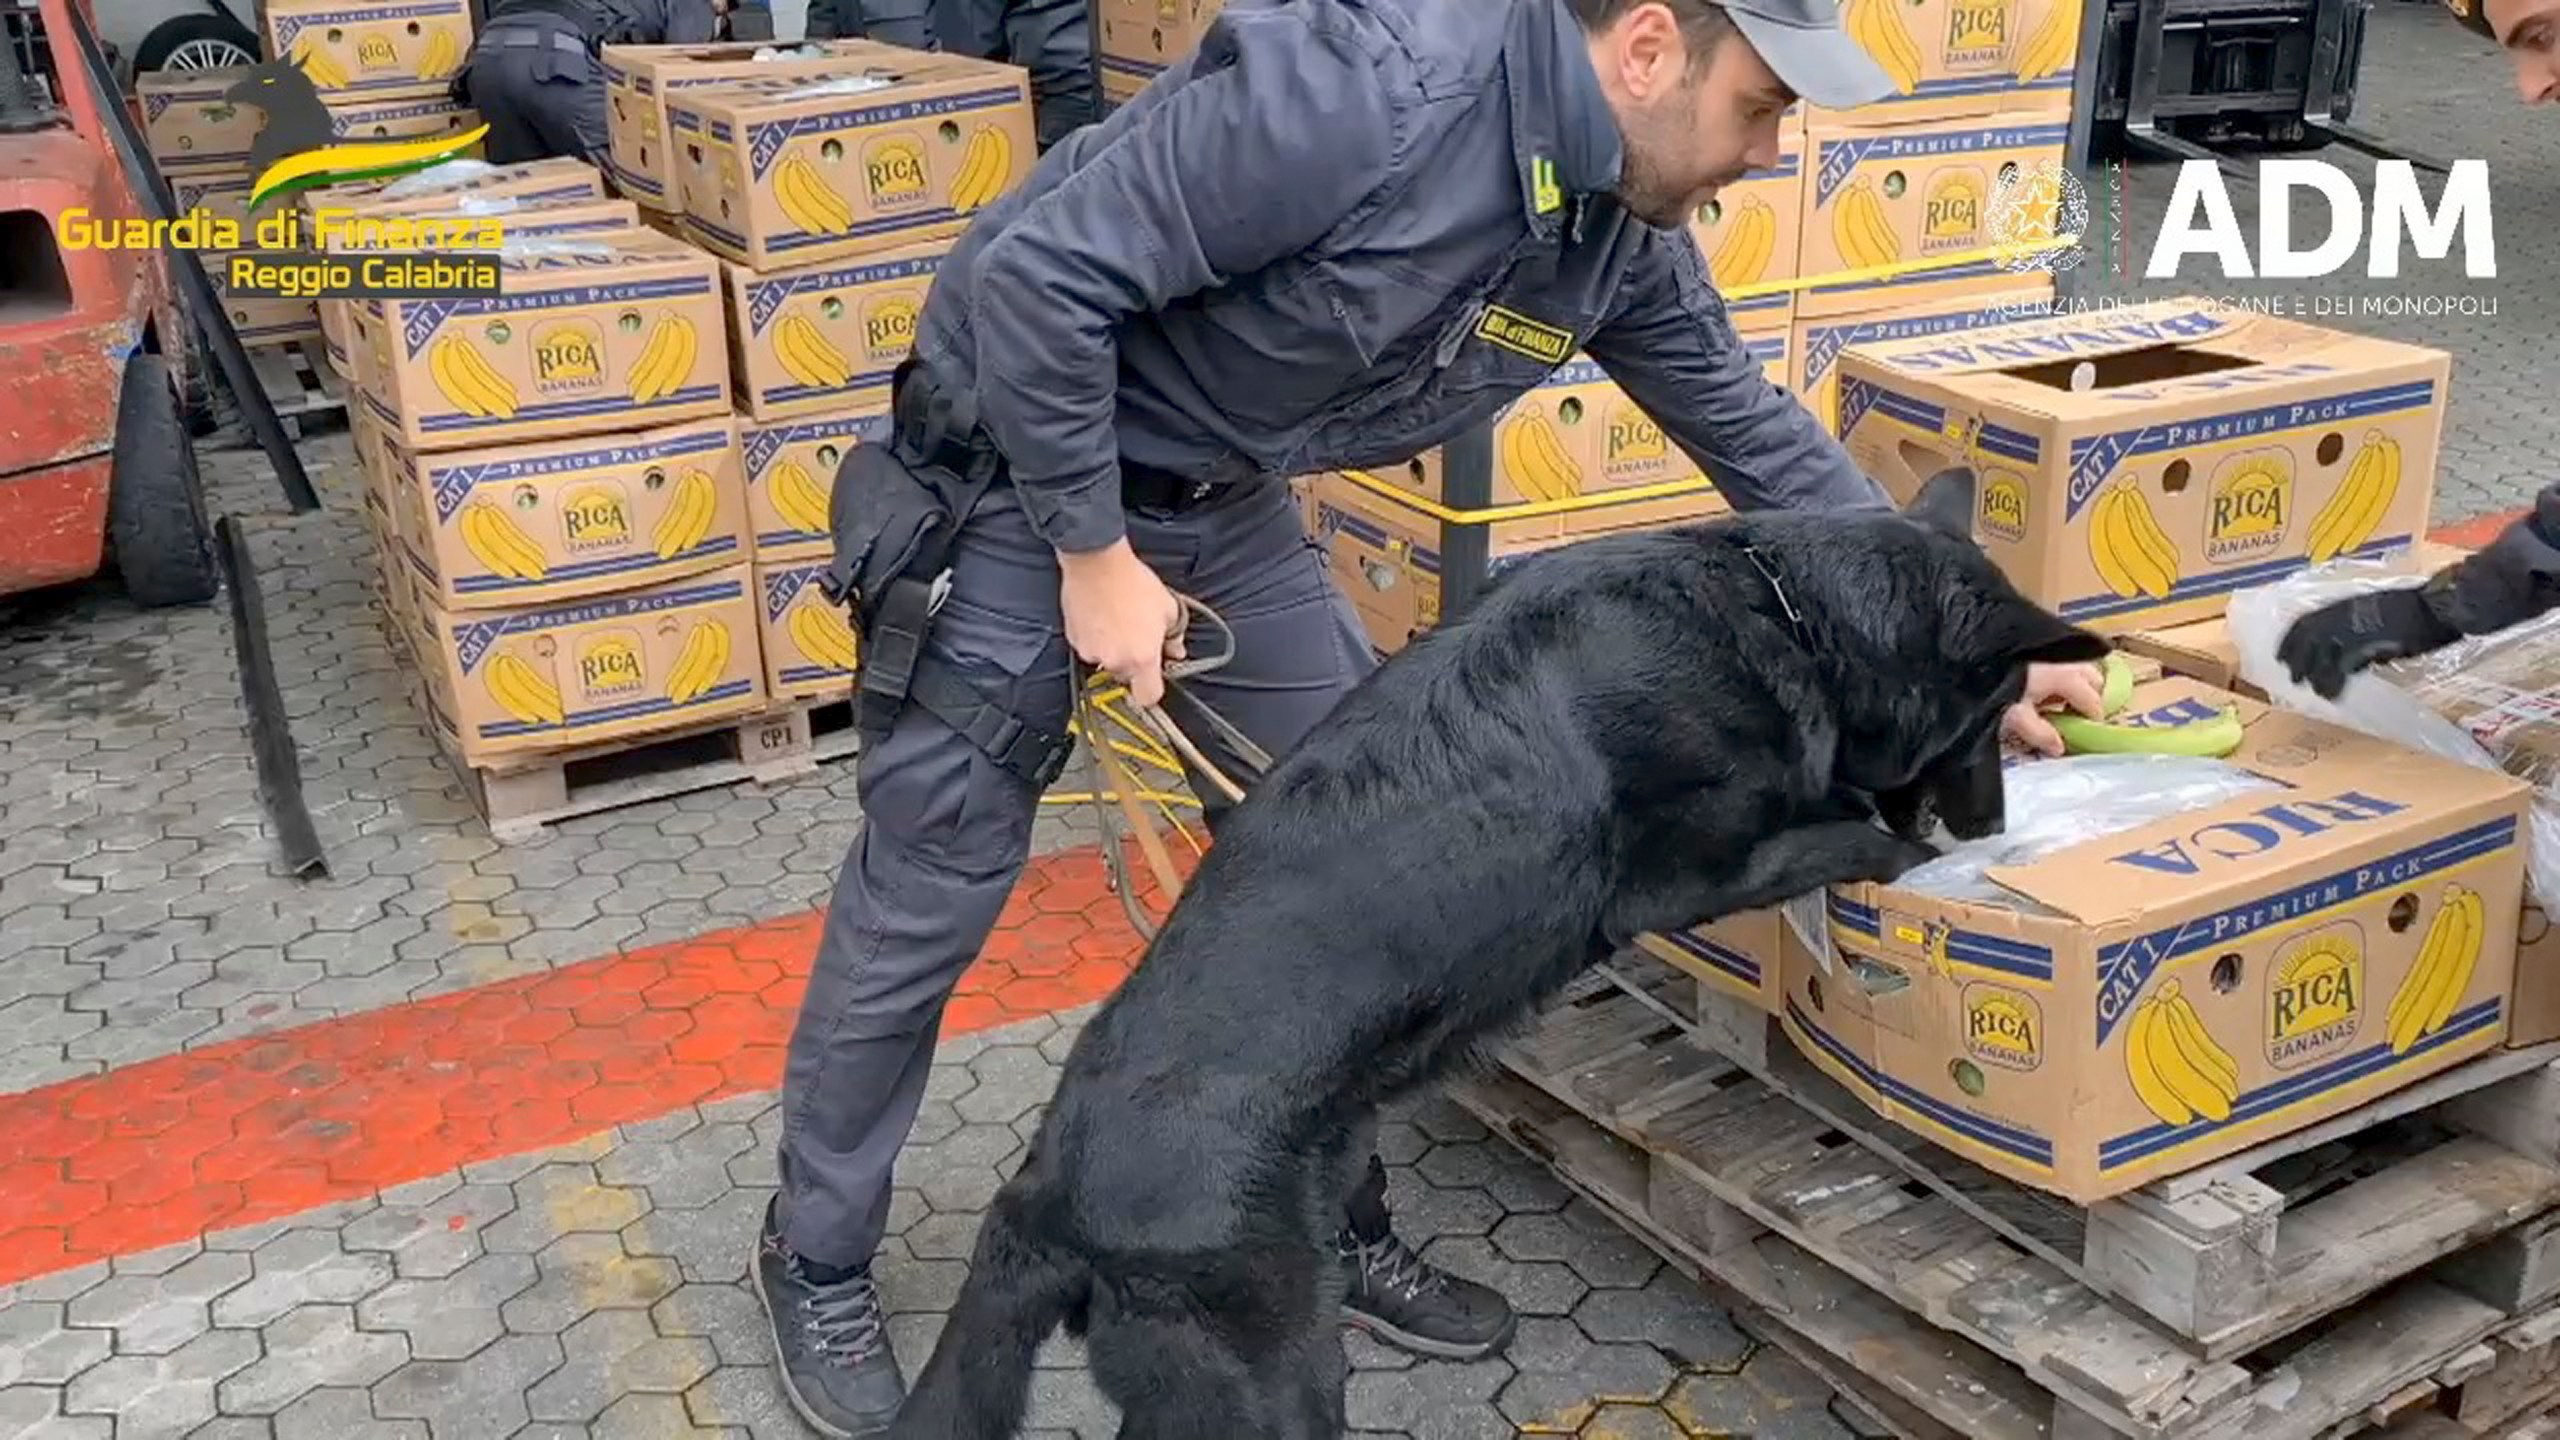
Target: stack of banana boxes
[[382, 72], [829, 186], [553, 471]]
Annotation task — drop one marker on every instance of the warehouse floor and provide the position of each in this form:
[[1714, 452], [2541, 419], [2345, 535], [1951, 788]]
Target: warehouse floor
[[468, 1140]]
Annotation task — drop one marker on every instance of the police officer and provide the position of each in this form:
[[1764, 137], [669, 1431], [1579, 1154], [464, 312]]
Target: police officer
[[1340, 233], [2518, 576], [1053, 39], [535, 79]]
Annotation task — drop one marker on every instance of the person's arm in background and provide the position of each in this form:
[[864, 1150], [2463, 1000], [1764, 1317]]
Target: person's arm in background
[[690, 22], [2514, 580], [1672, 347]]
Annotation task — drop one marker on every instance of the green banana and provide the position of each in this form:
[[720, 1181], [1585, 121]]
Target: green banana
[[2208, 739], [2118, 691]]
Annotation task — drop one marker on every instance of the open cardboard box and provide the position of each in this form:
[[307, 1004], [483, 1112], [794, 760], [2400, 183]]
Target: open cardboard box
[[2139, 465], [2295, 930]]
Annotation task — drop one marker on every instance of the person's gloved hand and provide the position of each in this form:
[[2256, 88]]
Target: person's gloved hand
[[2335, 641]]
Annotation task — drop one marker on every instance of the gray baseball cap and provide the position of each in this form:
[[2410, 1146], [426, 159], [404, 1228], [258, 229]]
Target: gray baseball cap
[[1803, 42]]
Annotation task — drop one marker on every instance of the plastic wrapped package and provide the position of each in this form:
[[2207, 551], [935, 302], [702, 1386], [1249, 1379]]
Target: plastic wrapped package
[[2486, 700], [2053, 805]]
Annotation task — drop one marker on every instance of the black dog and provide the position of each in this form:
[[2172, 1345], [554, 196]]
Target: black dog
[[1631, 734]]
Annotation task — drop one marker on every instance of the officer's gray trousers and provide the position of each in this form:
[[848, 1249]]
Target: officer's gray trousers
[[945, 832], [540, 91]]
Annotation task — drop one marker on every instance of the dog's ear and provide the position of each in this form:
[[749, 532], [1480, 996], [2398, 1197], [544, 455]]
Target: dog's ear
[[1945, 503], [2014, 630]]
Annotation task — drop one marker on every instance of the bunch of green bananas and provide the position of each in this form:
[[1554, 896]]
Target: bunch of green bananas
[[2207, 739]]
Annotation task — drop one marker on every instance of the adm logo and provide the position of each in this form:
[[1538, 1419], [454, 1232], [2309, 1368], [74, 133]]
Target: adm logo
[[298, 149], [2003, 1027]]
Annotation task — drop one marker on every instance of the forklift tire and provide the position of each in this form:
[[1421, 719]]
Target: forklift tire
[[196, 42], [155, 499]]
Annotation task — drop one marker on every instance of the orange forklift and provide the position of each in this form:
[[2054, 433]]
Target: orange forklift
[[97, 463]]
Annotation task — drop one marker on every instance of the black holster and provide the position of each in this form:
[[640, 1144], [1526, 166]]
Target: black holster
[[896, 514]]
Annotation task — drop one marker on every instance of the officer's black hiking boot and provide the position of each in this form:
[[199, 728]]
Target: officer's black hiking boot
[[1405, 1301], [830, 1341]]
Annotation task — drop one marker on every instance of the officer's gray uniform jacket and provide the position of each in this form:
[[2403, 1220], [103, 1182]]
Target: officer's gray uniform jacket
[[1345, 232]]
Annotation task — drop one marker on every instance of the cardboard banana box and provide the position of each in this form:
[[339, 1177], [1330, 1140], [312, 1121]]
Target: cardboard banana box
[[511, 682], [2182, 990], [1883, 194], [1735, 957], [406, 118], [261, 320], [824, 338], [1752, 234], [1820, 343], [1955, 58], [638, 78], [555, 520], [1140, 38], [2142, 464], [189, 125], [809, 645], [342, 321], [789, 172], [370, 49], [503, 191], [1386, 556], [590, 335], [1579, 434], [222, 197], [791, 479]]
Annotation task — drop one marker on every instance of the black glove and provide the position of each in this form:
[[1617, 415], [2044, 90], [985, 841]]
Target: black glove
[[2335, 641]]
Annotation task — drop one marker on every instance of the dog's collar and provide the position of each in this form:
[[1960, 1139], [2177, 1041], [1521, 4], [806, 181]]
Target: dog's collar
[[1763, 562]]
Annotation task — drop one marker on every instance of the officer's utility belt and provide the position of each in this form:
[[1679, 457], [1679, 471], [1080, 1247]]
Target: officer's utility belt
[[896, 513]]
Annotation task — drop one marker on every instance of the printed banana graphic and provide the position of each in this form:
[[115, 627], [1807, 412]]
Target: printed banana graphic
[[666, 361], [2445, 961], [1748, 243], [315, 62], [808, 356], [442, 55], [822, 634], [798, 498], [984, 168], [699, 666], [1860, 230], [687, 521], [467, 380], [2178, 1072], [2352, 515], [496, 542], [1533, 456], [808, 199], [2047, 49], [521, 691], [1877, 25], [2132, 552]]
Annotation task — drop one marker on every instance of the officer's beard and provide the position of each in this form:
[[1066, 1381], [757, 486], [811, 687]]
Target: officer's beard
[[1652, 139]]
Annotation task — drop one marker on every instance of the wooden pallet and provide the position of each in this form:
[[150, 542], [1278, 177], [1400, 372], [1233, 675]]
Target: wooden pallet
[[300, 382], [2246, 1248], [1736, 1155], [2405, 1360], [777, 744]]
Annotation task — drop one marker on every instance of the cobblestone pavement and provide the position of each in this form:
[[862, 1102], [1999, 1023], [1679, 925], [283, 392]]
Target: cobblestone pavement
[[241, 1089]]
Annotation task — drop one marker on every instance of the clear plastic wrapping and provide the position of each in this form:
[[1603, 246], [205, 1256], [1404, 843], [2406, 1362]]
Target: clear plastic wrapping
[[2051, 806], [2487, 700]]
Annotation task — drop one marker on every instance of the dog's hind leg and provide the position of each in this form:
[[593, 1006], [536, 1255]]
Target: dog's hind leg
[[978, 1382], [1171, 1375]]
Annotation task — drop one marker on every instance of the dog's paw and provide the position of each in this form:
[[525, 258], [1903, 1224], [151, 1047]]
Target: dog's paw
[[1899, 854]]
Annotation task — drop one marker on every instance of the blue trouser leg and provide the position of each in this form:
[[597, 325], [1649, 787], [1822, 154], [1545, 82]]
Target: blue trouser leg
[[946, 833]]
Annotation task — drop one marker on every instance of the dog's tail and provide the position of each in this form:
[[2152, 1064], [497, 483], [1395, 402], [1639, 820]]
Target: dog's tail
[[978, 1382]]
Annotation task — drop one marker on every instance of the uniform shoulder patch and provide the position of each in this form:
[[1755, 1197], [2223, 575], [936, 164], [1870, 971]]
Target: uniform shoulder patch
[[1521, 335]]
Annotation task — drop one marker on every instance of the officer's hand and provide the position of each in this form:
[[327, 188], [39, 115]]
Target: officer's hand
[[2334, 642], [2082, 688], [1120, 617]]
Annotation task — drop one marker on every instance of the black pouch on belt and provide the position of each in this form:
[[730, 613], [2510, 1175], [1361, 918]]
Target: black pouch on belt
[[896, 510]]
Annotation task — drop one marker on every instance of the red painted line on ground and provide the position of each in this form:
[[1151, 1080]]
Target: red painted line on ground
[[261, 1128], [2479, 530], [257, 1129]]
